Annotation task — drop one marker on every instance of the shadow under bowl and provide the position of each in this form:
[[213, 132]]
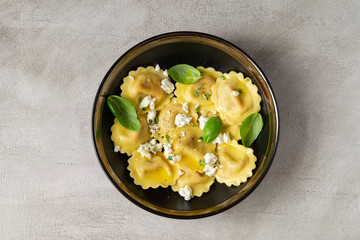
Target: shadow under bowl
[[167, 50]]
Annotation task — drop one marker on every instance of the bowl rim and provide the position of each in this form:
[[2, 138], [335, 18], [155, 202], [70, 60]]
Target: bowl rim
[[187, 34]]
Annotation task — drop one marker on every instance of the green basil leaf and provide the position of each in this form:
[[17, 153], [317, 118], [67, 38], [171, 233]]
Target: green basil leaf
[[184, 74], [212, 129], [251, 128], [124, 111]]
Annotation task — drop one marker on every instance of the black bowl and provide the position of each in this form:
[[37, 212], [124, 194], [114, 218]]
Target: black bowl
[[196, 49]]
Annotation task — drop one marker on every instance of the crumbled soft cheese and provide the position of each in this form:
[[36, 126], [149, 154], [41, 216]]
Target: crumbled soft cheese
[[181, 172], [131, 77], [157, 68], [186, 192], [167, 86], [168, 150], [165, 73], [151, 116], [226, 137], [202, 121], [186, 107], [222, 138], [214, 112], [210, 170], [210, 160], [182, 133], [182, 120], [144, 150], [176, 158], [116, 148], [235, 93], [152, 141], [168, 111], [157, 147], [152, 104], [149, 147], [154, 128], [175, 101], [148, 101]]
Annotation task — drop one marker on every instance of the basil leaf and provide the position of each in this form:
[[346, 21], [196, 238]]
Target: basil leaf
[[251, 128], [212, 129], [124, 111], [184, 74]]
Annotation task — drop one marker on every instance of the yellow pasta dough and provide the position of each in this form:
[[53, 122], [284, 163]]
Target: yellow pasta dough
[[237, 163], [194, 93], [129, 141], [235, 98], [186, 142], [154, 172], [167, 117], [142, 83], [198, 182], [234, 131]]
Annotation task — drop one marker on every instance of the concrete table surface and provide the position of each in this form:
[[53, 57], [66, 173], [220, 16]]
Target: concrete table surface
[[53, 56]]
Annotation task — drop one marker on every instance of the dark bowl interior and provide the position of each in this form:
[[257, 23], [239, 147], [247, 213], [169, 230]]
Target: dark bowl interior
[[168, 50]]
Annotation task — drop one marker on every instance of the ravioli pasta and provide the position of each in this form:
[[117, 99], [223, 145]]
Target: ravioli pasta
[[145, 82], [235, 97], [168, 151]]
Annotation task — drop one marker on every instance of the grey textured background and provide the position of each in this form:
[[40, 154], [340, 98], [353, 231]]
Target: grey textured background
[[53, 56]]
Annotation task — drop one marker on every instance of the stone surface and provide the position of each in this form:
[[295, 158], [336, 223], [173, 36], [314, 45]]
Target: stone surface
[[54, 55]]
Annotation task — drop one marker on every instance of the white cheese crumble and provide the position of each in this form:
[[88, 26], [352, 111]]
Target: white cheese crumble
[[157, 68], [202, 121], [151, 116], [167, 86], [144, 150], [210, 170], [214, 112], [182, 120], [175, 158], [186, 192], [154, 128], [116, 148], [182, 133], [131, 77], [148, 101], [235, 93], [165, 73], [150, 147], [210, 160], [222, 138], [226, 138], [186, 107], [168, 150], [175, 101], [181, 172], [168, 153]]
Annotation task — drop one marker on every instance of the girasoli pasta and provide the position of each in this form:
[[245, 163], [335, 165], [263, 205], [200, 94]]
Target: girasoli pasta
[[186, 135]]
